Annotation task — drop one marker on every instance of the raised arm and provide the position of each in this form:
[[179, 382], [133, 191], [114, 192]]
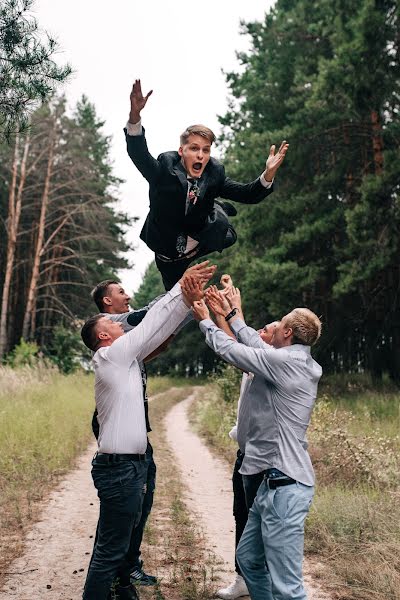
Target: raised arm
[[135, 138], [158, 324], [266, 362], [254, 192]]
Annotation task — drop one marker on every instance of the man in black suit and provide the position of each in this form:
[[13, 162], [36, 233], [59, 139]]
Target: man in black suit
[[185, 221]]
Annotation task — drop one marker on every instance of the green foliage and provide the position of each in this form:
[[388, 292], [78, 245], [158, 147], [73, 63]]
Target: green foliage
[[150, 288], [227, 379], [28, 73], [24, 354], [66, 349], [325, 76]]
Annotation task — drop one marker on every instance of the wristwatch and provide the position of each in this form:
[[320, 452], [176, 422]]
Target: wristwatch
[[233, 312]]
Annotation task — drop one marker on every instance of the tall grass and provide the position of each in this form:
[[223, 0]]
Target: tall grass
[[44, 425]]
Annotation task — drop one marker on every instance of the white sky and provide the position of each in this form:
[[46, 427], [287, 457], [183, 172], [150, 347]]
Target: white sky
[[177, 48]]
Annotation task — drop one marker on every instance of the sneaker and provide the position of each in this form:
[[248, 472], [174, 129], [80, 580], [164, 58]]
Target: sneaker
[[237, 589], [125, 593], [139, 577]]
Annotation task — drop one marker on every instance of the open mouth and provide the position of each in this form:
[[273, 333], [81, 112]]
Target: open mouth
[[197, 166]]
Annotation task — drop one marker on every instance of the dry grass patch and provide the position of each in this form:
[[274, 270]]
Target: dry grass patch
[[174, 548]]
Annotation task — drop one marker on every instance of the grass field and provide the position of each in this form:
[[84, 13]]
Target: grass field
[[354, 525]]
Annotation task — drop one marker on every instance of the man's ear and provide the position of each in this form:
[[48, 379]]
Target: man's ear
[[180, 151], [107, 300], [288, 332], [103, 335]]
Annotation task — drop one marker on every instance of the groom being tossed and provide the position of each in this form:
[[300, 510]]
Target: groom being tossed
[[185, 221]]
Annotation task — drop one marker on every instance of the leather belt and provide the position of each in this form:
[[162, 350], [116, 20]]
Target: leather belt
[[104, 458]]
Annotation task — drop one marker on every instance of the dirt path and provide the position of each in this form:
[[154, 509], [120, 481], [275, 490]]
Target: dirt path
[[209, 492], [59, 546]]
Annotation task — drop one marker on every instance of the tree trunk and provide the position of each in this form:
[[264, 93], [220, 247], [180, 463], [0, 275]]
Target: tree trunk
[[377, 142], [32, 290], [14, 213]]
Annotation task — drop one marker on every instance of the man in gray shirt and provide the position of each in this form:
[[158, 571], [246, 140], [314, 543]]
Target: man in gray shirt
[[280, 401]]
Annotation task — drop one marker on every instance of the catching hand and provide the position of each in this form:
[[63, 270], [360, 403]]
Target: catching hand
[[192, 289], [217, 301], [200, 310]]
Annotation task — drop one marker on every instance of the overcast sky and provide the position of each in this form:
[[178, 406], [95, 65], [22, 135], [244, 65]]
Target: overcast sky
[[176, 48]]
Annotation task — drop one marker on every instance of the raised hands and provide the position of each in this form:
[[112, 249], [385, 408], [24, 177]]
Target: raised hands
[[200, 310], [217, 301], [274, 161], [201, 272], [138, 101]]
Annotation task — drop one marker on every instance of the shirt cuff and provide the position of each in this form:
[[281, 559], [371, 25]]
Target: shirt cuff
[[134, 128], [237, 325], [263, 181], [205, 324]]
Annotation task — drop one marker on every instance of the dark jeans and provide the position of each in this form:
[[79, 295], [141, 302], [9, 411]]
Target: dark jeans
[[133, 556], [120, 488], [245, 488]]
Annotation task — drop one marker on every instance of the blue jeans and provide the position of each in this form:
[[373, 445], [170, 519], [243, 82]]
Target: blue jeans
[[274, 535], [120, 488]]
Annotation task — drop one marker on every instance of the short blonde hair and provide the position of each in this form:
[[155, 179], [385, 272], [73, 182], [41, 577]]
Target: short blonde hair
[[305, 324], [202, 130]]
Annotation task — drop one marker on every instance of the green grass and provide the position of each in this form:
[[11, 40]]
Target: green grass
[[44, 425]]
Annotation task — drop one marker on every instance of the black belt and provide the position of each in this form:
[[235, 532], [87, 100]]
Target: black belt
[[273, 483], [115, 458], [274, 478]]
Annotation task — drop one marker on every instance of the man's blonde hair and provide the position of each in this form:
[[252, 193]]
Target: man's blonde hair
[[305, 324], [202, 130]]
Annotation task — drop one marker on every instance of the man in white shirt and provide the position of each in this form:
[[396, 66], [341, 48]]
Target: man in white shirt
[[119, 468], [185, 221]]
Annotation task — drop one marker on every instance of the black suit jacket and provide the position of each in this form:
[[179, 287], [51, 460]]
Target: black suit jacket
[[167, 178]]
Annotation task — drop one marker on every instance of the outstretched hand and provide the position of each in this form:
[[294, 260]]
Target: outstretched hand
[[200, 310], [138, 101], [217, 301], [274, 161], [201, 272], [192, 289]]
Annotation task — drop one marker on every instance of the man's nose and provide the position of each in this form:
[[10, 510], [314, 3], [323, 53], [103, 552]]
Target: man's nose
[[200, 153]]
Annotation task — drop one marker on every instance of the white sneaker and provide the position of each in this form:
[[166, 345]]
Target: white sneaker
[[237, 589]]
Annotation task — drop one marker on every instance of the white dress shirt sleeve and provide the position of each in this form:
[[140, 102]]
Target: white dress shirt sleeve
[[266, 362], [134, 128], [264, 182], [159, 323]]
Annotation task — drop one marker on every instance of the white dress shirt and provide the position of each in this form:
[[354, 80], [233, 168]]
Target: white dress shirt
[[118, 380]]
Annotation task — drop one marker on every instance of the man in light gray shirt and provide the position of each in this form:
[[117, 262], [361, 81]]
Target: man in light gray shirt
[[280, 401]]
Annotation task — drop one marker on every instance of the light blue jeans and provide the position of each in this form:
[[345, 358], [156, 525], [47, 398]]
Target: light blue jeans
[[274, 536]]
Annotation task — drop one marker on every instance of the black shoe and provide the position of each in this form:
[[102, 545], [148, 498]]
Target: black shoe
[[228, 208], [139, 577], [125, 593]]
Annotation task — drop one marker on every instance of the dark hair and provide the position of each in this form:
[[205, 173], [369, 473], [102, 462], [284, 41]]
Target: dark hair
[[201, 130], [100, 291], [89, 334]]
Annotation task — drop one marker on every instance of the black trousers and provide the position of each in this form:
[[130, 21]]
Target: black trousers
[[133, 554], [171, 271], [245, 488]]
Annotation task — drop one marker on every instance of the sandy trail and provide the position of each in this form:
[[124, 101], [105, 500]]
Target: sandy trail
[[59, 546], [209, 493]]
